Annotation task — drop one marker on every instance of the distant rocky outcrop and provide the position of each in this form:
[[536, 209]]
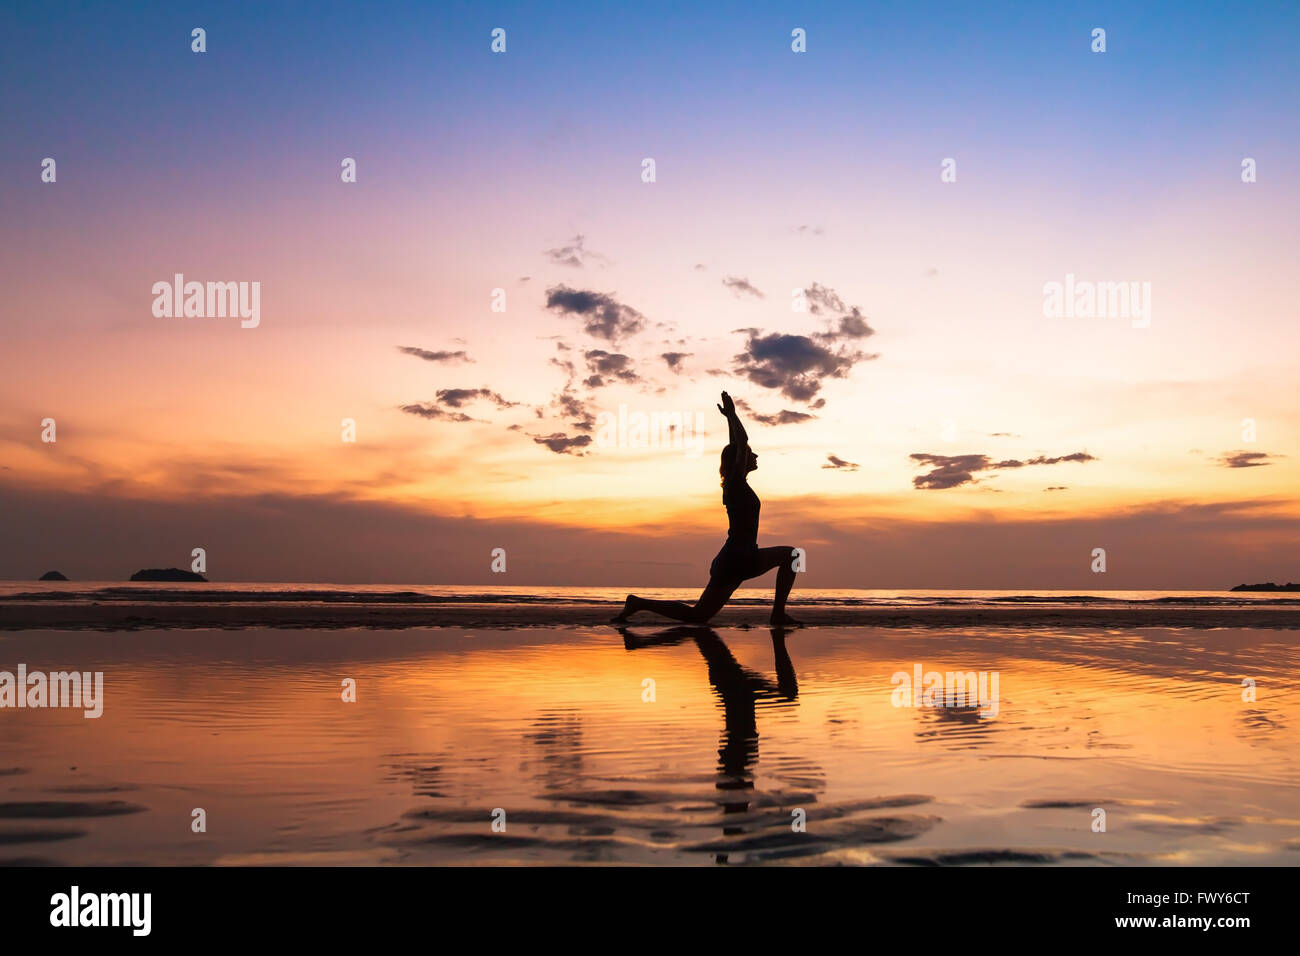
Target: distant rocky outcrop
[[53, 576], [166, 574], [1270, 586]]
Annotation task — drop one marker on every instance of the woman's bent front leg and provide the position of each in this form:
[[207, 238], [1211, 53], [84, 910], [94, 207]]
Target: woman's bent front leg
[[782, 559]]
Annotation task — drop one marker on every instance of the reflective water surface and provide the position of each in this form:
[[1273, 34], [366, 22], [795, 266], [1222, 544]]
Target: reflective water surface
[[684, 746]]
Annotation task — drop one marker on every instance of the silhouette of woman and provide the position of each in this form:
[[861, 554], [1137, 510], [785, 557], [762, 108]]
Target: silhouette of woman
[[741, 692], [740, 558]]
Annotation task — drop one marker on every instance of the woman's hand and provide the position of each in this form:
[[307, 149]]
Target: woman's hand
[[736, 436]]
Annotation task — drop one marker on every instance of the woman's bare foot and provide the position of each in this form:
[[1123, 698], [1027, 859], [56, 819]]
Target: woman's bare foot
[[628, 611], [784, 620]]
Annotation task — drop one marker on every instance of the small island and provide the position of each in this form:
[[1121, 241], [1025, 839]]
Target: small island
[[53, 576], [1269, 586], [166, 574]]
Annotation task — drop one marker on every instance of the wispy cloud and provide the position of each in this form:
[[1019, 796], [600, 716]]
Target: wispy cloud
[[674, 359], [430, 356], [851, 323], [1246, 459], [563, 444], [575, 253], [435, 412], [951, 471], [838, 463], [786, 416], [822, 299], [741, 287], [458, 397], [455, 398], [567, 403]]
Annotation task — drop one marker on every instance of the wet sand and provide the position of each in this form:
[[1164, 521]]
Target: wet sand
[[744, 731]]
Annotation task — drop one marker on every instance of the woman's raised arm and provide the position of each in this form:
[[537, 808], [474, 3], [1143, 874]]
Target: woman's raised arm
[[737, 438], [736, 431]]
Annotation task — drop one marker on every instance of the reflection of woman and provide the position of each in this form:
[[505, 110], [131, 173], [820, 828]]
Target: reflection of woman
[[740, 690], [740, 558]]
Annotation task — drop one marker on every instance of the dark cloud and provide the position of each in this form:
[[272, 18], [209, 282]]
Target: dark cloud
[[1057, 488], [602, 316], [809, 230], [784, 417], [950, 471], [741, 287], [429, 410], [796, 365], [607, 368], [428, 356], [674, 359], [1245, 459], [836, 462], [575, 253], [455, 398], [459, 397], [700, 267], [562, 444]]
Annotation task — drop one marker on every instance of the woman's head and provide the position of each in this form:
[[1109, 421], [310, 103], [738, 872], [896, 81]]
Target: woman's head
[[728, 456]]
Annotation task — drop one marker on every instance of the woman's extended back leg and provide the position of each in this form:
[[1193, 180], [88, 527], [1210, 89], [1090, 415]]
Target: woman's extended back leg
[[711, 600]]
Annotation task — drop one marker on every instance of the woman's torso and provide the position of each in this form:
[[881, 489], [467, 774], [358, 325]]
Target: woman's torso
[[742, 514]]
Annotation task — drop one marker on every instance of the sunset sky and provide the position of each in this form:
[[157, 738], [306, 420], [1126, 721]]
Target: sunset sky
[[924, 393]]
